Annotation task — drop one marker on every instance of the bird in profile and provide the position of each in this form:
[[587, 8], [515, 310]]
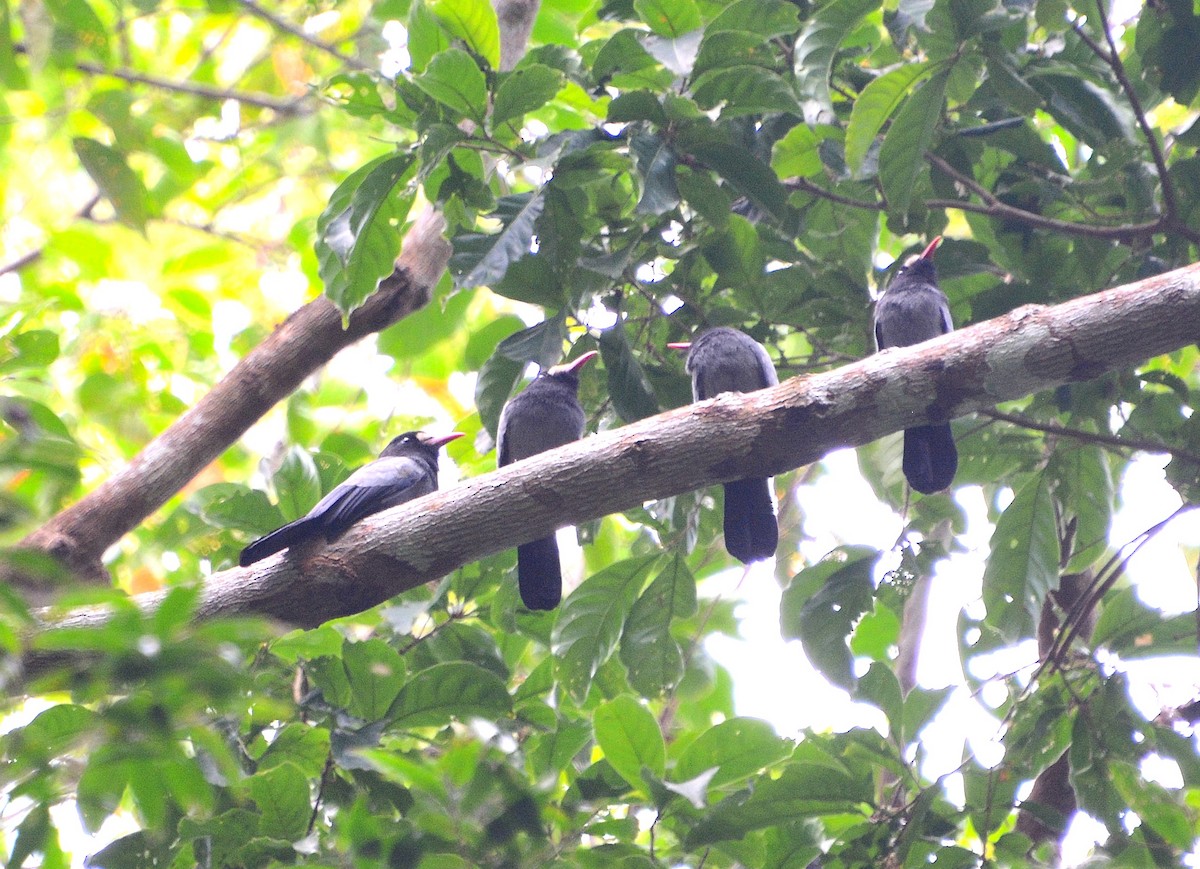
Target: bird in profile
[[913, 310], [547, 414], [406, 469], [727, 360]]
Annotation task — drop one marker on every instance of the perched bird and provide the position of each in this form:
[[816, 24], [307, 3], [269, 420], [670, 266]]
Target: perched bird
[[406, 469], [913, 310], [546, 415], [726, 360]]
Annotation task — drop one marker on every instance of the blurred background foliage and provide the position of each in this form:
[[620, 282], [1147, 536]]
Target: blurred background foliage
[[175, 178]]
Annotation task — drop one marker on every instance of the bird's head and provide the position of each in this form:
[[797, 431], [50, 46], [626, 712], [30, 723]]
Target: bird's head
[[920, 266], [418, 440], [570, 370]]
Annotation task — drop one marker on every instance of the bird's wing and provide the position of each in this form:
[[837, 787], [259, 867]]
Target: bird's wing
[[381, 484], [502, 456], [765, 366], [947, 322]]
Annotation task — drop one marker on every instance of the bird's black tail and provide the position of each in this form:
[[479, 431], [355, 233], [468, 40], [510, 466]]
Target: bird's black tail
[[930, 457], [281, 538], [751, 532], [539, 575]]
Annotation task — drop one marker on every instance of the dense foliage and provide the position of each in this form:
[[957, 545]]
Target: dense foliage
[[170, 189]]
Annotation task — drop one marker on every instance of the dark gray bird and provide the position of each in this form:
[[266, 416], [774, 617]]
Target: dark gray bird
[[406, 469], [913, 310], [546, 415], [726, 360]]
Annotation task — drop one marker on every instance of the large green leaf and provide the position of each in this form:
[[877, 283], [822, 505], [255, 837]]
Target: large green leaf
[[592, 618], [736, 749], [453, 79], [484, 258], [650, 654], [749, 176], [375, 673], [541, 343], [457, 689], [764, 18], [296, 483], [474, 22], [1023, 566], [629, 736], [744, 90], [902, 155], [875, 104], [358, 233], [656, 163], [525, 90], [632, 396], [821, 604], [669, 18], [281, 794], [120, 185], [1087, 493], [803, 790], [818, 43]]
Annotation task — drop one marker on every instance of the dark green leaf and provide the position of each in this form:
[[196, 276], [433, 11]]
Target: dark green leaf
[[628, 734], [748, 175], [375, 674], [632, 396], [670, 18], [875, 104], [656, 163], [120, 185], [296, 484], [592, 618], [765, 18], [1023, 567], [818, 43], [525, 90], [358, 233], [744, 90], [821, 605], [650, 654], [902, 156], [35, 348], [453, 690], [483, 259]]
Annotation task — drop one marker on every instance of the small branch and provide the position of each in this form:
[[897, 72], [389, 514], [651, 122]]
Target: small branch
[[817, 190], [1090, 437], [1113, 58], [262, 101], [23, 261], [299, 32]]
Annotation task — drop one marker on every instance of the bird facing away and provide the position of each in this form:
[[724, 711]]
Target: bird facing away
[[726, 360], [546, 415], [913, 310], [406, 469]]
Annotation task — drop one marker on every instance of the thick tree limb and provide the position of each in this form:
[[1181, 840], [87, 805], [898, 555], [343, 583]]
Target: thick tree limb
[[303, 342], [729, 437]]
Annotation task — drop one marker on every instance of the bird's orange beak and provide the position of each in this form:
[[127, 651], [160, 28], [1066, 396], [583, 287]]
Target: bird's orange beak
[[680, 345], [933, 246], [442, 440], [581, 361]]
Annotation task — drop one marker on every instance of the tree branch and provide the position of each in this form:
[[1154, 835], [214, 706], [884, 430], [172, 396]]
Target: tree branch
[[732, 436], [299, 32], [1092, 437], [305, 341]]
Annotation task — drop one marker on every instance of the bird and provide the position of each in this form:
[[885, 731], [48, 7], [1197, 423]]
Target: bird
[[545, 415], [406, 469], [727, 360], [910, 311]]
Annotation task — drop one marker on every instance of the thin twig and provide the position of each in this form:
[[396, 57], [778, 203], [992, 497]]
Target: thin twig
[[298, 32], [817, 190], [293, 106], [1148, 446]]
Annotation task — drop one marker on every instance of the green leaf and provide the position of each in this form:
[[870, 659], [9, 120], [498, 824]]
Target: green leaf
[[82, 27], [1023, 567], [358, 233], [297, 743], [629, 736], [12, 75], [296, 484], [375, 672], [821, 605], [765, 18], [591, 620], [453, 79], [1090, 112], [803, 790], [749, 176], [481, 259], [632, 396], [737, 749], [120, 185], [818, 43], [1087, 493], [474, 22], [656, 163], [525, 90], [453, 690], [796, 155], [281, 794], [875, 104], [669, 18], [427, 38], [34, 348], [651, 656], [744, 90], [903, 153], [494, 385]]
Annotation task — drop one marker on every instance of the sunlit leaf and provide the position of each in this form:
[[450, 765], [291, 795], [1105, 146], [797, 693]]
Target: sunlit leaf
[[628, 734]]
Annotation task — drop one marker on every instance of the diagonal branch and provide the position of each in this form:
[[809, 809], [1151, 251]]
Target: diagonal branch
[[1092, 437], [301, 34], [732, 436]]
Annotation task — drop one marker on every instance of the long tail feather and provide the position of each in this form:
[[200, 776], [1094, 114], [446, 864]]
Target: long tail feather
[[281, 538], [751, 532], [930, 458], [539, 575]]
